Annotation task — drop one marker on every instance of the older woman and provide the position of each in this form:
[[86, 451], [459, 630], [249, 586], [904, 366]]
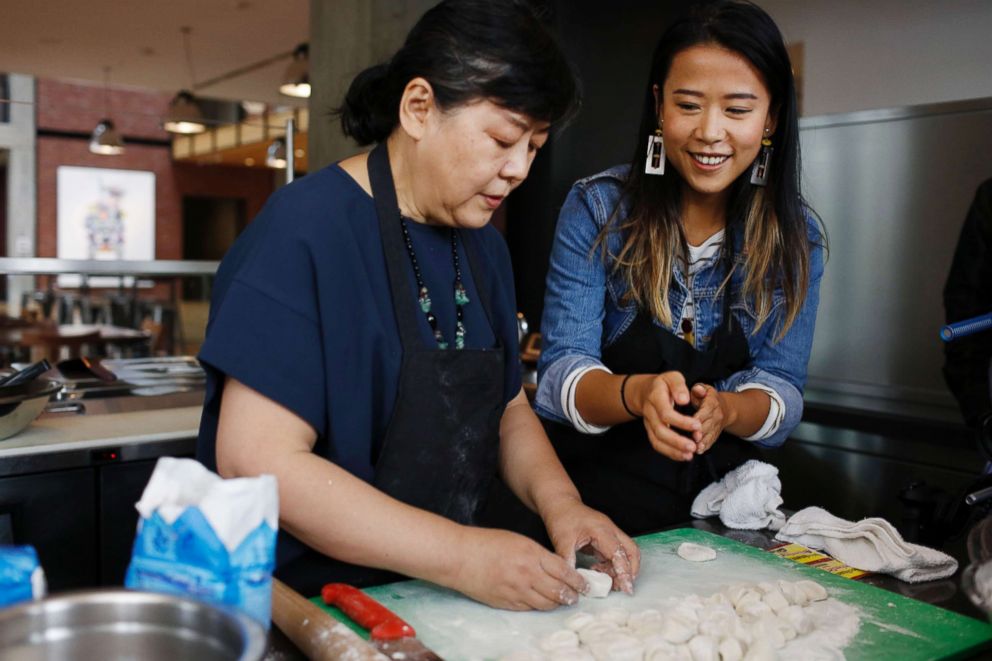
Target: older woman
[[683, 287], [362, 339]]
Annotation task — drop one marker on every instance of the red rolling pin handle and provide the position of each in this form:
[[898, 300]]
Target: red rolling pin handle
[[381, 623]]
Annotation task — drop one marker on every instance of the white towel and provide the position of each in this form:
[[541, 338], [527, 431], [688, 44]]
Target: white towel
[[747, 498], [870, 544]]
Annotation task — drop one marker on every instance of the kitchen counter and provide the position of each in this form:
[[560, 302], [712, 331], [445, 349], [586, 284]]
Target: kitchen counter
[[57, 441]]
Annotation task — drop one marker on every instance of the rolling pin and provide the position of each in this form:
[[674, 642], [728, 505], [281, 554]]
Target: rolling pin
[[318, 635]]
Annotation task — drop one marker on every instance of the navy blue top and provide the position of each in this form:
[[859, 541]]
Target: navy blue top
[[302, 313]]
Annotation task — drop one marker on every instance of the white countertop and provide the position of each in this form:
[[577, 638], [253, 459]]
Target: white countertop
[[81, 432]]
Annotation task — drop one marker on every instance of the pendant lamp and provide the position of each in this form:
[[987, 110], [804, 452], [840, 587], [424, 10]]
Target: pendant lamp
[[105, 139], [296, 80], [184, 115]]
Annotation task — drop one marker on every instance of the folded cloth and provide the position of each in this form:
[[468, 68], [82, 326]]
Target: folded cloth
[[747, 498], [871, 544]]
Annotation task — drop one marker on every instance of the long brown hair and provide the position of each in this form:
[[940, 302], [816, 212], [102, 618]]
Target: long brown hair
[[771, 219]]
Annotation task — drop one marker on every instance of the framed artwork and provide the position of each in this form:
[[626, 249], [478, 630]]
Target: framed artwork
[[104, 214]]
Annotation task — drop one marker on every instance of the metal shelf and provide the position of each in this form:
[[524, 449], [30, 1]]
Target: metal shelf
[[53, 266]]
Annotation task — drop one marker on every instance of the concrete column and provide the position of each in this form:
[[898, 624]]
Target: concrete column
[[18, 137], [346, 36]]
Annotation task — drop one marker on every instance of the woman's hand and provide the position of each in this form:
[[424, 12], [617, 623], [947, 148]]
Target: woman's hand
[[506, 570], [572, 526], [712, 414], [655, 398]]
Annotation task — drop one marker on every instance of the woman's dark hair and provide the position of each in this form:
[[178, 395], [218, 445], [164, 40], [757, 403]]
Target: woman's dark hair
[[771, 218], [467, 49]]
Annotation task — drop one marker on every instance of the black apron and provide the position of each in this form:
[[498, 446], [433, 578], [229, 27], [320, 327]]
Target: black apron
[[618, 472], [440, 450]]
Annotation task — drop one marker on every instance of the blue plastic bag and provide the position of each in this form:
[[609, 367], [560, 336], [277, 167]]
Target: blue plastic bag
[[21, 576], [206, 537]]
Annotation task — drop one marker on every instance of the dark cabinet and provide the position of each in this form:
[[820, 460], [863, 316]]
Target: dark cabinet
[[56, 513], [119, 487]]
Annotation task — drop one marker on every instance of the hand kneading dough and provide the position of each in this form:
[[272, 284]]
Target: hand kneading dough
[[599, 583], [696, 552]]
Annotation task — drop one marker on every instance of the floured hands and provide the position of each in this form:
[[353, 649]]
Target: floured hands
[[711, 413], [572, 526], [655, 397], [506, 570]]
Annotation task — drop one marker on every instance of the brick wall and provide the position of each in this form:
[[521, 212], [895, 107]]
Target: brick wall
[[76, 108]]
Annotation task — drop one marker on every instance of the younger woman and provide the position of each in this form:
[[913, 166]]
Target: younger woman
[[683, 288]]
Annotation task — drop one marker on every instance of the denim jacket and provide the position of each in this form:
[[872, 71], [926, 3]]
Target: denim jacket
[[584, 309]]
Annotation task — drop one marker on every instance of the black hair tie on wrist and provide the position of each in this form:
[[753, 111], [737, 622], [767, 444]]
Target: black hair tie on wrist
[[623, 397]]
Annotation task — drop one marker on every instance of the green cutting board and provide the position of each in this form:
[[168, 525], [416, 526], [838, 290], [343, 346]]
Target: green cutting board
[[892, 626]]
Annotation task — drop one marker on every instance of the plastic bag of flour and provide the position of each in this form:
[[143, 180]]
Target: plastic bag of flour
[[203, 536], [21, 576]]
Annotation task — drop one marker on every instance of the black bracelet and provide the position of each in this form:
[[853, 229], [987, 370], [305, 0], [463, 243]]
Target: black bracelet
[[623, 398]]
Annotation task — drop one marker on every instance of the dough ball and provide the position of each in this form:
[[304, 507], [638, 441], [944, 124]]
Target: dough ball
[[795, 594], [760, 650], [523, 655], [618, 647], [751, 611], [617, 616], [730, 649], [744, 596], [596, 630], [797, 619], [644, 621], [776, 600], [814, 591], [767, 629], [599, 583], [677, 629], [575, 654], [717, 622], [703, 648], [563, 639], [696, 552], [740, 631], [717, 598], [576, 621]]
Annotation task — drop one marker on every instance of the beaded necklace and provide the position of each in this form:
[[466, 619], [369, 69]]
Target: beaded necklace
[[461, 298]]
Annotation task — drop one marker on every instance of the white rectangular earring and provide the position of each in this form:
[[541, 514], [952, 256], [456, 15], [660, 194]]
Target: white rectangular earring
[[655, 161]]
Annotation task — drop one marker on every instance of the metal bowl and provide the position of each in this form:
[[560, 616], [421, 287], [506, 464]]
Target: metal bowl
[[126, 624], [20, 405], [976, 581]]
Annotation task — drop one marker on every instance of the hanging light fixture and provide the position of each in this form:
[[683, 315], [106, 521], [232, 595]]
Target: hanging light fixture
[[184, 115], [296, 80], [275, 156], [105, 139]]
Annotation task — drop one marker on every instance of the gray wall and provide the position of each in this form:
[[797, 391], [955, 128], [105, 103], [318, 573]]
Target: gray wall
[[893, 190], [888, 53]]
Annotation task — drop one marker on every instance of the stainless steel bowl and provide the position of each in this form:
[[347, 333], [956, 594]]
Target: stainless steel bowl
[[976, 581], [119, 624], [20, 405]]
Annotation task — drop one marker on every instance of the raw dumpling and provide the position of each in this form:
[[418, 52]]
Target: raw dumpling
[[617, 616], [563, 639], [696, 552], [576, 621], [599, 583]]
